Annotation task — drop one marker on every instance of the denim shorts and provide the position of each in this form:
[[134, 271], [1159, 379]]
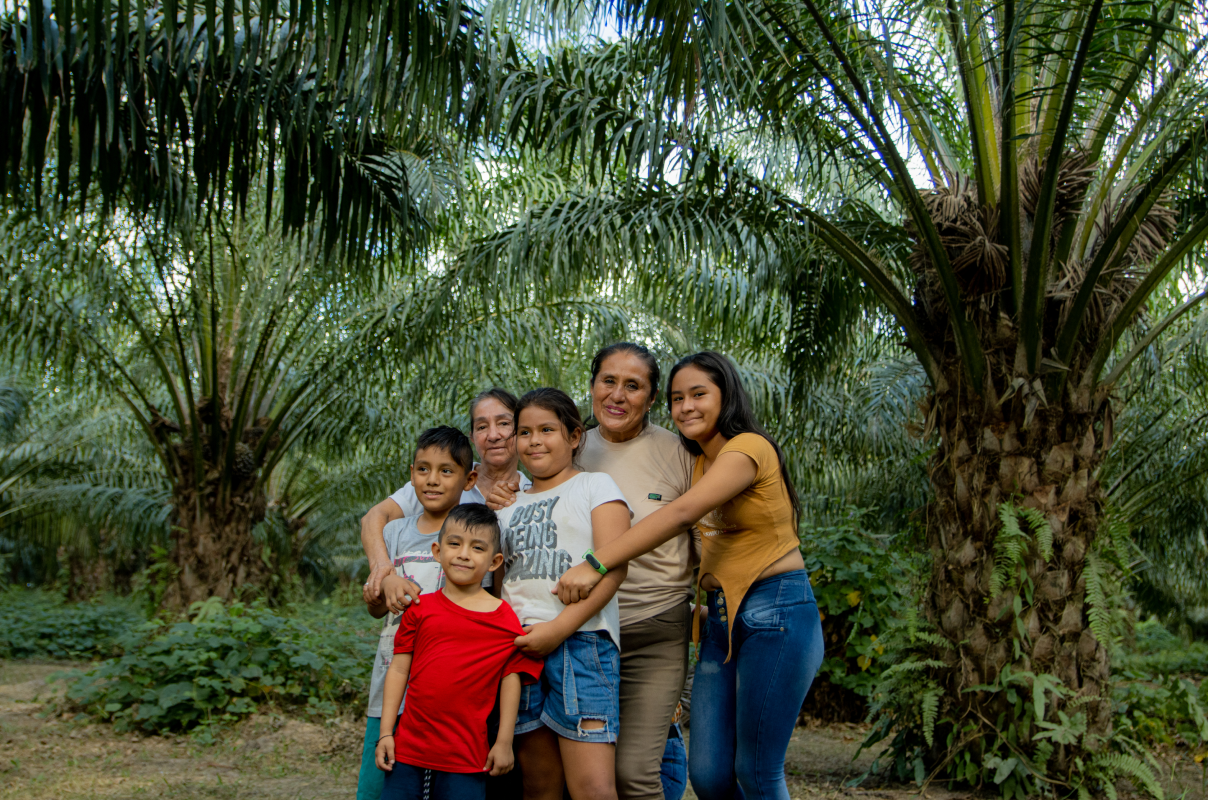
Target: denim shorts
[[579, 684]]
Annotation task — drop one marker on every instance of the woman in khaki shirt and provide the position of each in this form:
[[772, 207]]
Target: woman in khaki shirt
[[761, 643]]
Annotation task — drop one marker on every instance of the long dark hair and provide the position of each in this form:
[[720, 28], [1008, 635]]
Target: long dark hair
[[736, 415], [558, 403], [642, 352]]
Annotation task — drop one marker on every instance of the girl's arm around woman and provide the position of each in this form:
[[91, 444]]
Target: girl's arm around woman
[[730, 474]]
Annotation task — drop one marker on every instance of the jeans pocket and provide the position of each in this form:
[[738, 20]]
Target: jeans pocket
[[766, 618], [591, 677], [608, 661], [596, 654]]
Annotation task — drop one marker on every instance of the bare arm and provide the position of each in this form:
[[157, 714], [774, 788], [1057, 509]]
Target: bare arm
[[730, 474], [392, 697], [608, 522], [374, 544], [501, 759]]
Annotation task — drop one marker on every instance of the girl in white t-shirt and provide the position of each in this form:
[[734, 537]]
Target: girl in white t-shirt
[[568, 723]]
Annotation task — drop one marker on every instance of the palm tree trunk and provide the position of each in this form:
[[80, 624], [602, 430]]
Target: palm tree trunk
[[214, 550], [1048, 463]]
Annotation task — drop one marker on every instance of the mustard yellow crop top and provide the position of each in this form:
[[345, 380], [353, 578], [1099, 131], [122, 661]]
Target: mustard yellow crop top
[[747, 534]]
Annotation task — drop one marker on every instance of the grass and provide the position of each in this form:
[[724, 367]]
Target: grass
[[280, 752]]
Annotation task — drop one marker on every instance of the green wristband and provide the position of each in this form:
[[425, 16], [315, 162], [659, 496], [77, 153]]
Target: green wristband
[[590, 558]]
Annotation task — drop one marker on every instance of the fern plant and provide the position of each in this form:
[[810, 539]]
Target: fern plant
[[1025, 717]]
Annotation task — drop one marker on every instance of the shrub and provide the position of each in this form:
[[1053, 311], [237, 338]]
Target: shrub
[[37, 624], [226, 662], [1156, 651], [1155, 699], [861, 584], [1168, 710]]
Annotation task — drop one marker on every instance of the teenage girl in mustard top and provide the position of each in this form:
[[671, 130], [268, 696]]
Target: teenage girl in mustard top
[[761, 643]]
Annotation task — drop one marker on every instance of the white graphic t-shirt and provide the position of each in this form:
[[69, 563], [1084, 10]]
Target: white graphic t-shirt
[[411, 553], [544, 535]]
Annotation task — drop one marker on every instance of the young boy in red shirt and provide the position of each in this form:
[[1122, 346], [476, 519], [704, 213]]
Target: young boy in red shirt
[[455, 652]]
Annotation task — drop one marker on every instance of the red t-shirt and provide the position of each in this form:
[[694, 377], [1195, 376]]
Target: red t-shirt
[[458, 659]]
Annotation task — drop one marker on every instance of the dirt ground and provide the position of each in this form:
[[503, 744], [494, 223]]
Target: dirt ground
[[44, 756]]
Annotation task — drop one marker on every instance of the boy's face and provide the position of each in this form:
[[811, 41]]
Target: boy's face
[[438, 480], [466, 554]]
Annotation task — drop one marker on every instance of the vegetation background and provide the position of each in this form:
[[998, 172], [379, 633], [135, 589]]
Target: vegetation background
[[250, 249]]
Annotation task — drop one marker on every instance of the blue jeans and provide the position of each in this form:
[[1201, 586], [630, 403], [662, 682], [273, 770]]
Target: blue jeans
[[406, 782], [744, 711], [369, 782], [579, 683], [674, 769]]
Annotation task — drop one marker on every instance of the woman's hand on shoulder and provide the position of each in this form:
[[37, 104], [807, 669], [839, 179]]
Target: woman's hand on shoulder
[[503, 494]]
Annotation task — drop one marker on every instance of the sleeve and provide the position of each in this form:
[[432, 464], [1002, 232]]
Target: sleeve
[[683, 462], [503, 515], [759, 450], [603, 489], [391, 535], [408, 627], [527, 667], [406, 500]]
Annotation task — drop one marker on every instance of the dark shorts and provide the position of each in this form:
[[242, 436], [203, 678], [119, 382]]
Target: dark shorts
[[406, 782], [579, 684]]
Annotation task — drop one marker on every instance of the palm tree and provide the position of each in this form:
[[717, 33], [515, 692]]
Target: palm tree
[[81, 499], [226, 346], [1009, 184], [264, 377], [1156, 477], [170, 107]]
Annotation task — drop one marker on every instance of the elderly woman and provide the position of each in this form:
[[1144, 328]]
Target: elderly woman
[[652, 468]]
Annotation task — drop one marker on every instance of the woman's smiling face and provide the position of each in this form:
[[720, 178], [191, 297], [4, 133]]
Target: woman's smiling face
[[695, 403], [621, 395]]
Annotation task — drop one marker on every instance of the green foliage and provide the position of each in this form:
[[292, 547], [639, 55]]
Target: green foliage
[[861, 583], [1162, 710], [1031, 707], [1096, 598], [151, 583], [1156, 699], [1155, 651], [1008, 748], [37, 624], [225, 662], [1012, 544]]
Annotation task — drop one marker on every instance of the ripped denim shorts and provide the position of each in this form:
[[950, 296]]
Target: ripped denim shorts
[[580, 684]]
